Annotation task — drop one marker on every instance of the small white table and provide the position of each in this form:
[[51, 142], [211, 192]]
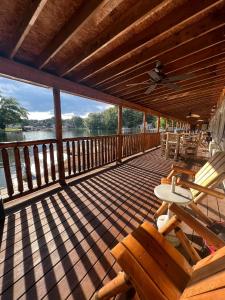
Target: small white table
[[180, 196]]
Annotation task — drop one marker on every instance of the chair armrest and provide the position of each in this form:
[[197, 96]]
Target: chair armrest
[[204, 232], [200, 188], [178, 169]]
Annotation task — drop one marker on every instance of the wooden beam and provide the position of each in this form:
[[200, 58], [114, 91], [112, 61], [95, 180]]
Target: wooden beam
[[144, 131], [138, 74], [58, 133], [32, 13], [158, 124], [29, 74], [171, 38], [67, 32], [127, 11]]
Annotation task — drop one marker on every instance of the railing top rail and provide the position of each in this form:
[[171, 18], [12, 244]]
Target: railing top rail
[[26, 143], [88, 137]]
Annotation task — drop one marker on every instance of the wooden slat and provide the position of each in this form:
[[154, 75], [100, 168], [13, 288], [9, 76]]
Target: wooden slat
[[83, 148], [96, 152], [18, 169], [68, 157], [45, 163], [74, 156], [52, 161], [92, 153], [8, 177], [37, 165], [88, 154], [78, 156], [27, 167]]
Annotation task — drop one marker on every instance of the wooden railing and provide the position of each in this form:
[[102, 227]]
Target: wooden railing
[[87, 153], [29, 166]]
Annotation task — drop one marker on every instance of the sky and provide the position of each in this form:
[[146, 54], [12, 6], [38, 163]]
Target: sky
[[39, 101]]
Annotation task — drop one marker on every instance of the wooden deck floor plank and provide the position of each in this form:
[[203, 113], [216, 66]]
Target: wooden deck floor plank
[[58, 246]]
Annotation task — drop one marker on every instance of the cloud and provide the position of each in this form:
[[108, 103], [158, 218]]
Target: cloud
[[40, 115], [38, 100]]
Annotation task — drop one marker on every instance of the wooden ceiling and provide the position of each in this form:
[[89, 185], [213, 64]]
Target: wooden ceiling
[[107, 44]]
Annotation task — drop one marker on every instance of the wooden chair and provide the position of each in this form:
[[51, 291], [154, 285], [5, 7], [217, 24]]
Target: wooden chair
[[205, 179], [172, 145], [156, 270], [163, 142]]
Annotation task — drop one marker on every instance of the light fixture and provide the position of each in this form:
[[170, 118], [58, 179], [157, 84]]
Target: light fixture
[[191, 115]]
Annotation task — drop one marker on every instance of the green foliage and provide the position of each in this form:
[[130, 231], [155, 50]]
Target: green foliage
[[74, 122], [94, 121], [11, 112]]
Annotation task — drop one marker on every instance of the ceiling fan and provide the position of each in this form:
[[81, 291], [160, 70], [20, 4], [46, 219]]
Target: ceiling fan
[[158, 77], [191, 115]]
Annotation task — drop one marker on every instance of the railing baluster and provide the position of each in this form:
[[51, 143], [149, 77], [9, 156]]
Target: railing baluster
[[88, 154], [37, 165], [83, 155], [74, 157], [19, 174], [78, 156], [68, 157], [45, 163], [52, 161], [92, 153], [96, 153], [8, 177], [27, 167]]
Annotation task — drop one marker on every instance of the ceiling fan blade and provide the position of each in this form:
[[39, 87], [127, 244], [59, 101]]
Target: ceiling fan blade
[[172, 86], [179, 77], [154, 76], [150, 89], [139, 83]]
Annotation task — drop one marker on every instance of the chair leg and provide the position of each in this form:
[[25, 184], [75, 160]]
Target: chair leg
[[200, 214], [163, 208], [187, 245], [119, 284]]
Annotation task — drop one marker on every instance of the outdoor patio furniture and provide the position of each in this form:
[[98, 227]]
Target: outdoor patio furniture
[[157, 270], [205, 179]]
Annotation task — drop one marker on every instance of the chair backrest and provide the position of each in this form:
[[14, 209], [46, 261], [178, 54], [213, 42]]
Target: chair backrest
[[172, 137], [208, 278], [211, 172]]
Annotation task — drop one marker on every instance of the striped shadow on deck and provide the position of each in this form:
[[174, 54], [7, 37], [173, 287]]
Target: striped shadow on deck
[[58, 247]]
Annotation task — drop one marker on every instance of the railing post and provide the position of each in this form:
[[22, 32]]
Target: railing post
[[119, 133], [158, 124], [144, 132], [166, 125], [58, 133]]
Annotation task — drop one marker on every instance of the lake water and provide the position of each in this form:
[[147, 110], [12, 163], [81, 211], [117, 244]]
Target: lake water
[[39, 135]]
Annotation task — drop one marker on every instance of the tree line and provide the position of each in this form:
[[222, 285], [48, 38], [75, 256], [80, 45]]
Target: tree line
[[12, 113]]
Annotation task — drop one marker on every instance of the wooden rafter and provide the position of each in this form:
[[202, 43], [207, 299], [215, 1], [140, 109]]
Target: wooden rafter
[[25, 73], [24, 28], [67, 32], [182, 32]]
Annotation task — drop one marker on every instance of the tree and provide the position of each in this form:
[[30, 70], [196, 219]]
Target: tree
[[94, 121], [76, 122], [110, 118], [11, 112]]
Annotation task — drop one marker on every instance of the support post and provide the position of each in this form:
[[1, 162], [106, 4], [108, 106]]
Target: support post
[[58, 133], [158, 124], [172, 125], [119, 133], [144, 132], [166, 126]]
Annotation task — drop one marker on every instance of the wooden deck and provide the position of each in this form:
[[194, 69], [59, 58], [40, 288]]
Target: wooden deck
[[58, 246]]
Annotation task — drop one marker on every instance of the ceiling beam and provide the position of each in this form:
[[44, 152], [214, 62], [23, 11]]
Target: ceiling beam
[[183, 84], [198, 43], [32, 13], [67, 32], [126, 12], [186, 30], [208, 85], [29, 74]]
